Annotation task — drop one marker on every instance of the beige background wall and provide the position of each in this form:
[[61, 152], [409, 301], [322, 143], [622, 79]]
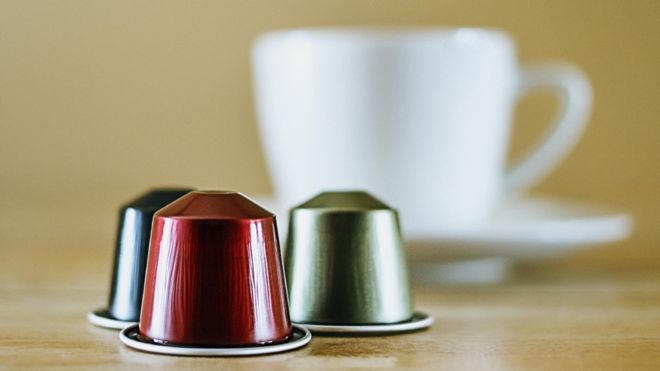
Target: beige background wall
[[102, 99]]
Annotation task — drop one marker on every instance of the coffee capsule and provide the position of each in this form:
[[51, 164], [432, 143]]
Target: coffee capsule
[[132, 243], [214, 283], [346, 267]]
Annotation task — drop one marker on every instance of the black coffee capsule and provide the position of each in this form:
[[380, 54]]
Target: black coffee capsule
[[132, 246]]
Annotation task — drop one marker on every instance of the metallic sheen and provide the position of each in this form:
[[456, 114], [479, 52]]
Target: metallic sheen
[[131, 251], [214, 274], [345, 262]]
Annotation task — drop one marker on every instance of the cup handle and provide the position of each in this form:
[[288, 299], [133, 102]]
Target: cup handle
[[574, 93]]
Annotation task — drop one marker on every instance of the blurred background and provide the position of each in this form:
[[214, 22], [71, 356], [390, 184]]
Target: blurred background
[[101, 100]]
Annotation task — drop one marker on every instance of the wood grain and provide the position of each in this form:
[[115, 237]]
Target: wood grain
[[597, 310]]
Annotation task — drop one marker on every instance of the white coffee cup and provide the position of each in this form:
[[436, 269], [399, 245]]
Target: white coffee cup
[[419, 117]]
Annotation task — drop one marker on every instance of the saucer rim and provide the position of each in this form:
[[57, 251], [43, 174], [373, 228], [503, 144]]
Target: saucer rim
[[419, 321], [100, 317], [175, 350]]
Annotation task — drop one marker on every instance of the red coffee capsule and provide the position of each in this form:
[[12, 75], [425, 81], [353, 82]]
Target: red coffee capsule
[[214, 275]]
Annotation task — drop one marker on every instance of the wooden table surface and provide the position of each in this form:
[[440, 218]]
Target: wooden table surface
[[599, 309]]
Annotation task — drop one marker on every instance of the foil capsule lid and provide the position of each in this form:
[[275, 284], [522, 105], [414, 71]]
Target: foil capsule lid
[[345, 262], [344, 201], [215, 205]]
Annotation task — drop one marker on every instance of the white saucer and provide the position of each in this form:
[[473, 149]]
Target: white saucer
[[419, 321], [525, 229], [129, 336], [521, 229], [102, 318]]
